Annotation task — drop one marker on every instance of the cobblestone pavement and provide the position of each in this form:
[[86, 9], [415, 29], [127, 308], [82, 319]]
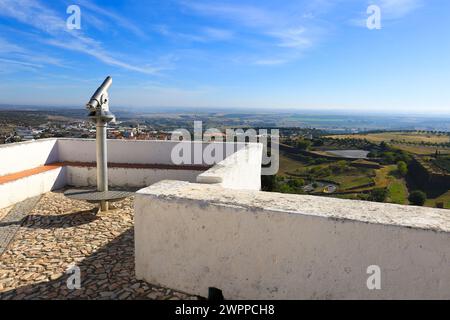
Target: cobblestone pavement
[[12, 221], [60, 232]]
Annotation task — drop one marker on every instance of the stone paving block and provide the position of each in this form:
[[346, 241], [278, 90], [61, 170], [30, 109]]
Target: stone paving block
[[11, 223]]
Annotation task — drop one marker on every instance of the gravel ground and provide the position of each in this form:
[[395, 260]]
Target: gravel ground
[[61, 232]]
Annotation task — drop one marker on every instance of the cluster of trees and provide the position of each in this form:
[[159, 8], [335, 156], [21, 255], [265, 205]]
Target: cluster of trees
[[319, 172], [309, 161], [422, 143], [390, 155], [340, 167], [303, 144], [351, 143], [378, 195], [280, 184], [416, 198]]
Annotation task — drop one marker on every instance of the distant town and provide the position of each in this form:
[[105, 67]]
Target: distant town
[[18, 123]]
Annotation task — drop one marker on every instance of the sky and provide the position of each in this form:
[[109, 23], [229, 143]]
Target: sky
[[252, 54]]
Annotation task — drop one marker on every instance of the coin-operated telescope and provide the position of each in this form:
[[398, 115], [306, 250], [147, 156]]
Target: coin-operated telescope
[[98, 106], [99, 112]]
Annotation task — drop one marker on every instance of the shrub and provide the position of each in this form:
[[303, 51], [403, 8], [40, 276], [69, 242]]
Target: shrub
[[303, 144], [402, 168], [417, 198], [378, 195], [296, 183]]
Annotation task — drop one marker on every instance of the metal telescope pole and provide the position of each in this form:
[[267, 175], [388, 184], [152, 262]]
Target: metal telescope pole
[[100, 114], [102, 161]]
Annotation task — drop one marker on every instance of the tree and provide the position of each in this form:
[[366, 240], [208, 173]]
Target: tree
[[384, 146], [318, 142], [402, 168], [417, 198], [303, 144], [372, 154], [378, 195]]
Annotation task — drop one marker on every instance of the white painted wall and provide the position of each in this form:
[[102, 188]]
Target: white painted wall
[[241, 170], [16, 157], [258, 245], [126, 177], [19, 190], [131, 151], [27, 155]]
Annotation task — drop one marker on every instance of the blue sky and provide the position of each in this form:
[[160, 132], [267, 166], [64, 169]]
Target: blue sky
[[315, 54]]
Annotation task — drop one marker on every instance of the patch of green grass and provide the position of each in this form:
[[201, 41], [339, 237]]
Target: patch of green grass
[[384, 176], [398, 192], [288, 165]]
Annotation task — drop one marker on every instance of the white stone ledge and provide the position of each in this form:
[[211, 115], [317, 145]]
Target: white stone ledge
[[258, 245], [240, 170], [333, 208]]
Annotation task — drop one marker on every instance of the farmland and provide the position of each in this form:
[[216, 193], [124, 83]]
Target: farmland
[[414, 137], [377, 178]]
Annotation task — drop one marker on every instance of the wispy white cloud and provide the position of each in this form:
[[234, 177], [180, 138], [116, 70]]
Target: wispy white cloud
[[395, 9], [278, 27], [293, 38], [22, 63], [19, 55], [217, 34], [94, 49], [9, 66], [96, 11], [203, 34], [270, 62], [243, 14], [45, 20], [8, 47]]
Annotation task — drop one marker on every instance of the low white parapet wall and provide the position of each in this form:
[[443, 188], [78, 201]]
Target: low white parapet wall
[[259, 245], [26, 155], [126, 177], [241, 170], [32, 186], [137, 164], [141, 151]]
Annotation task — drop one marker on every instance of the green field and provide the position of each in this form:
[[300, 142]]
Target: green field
[[420, 150], [404, 137], [398, 192], [352, 178], [413, 142], [291, 166]]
